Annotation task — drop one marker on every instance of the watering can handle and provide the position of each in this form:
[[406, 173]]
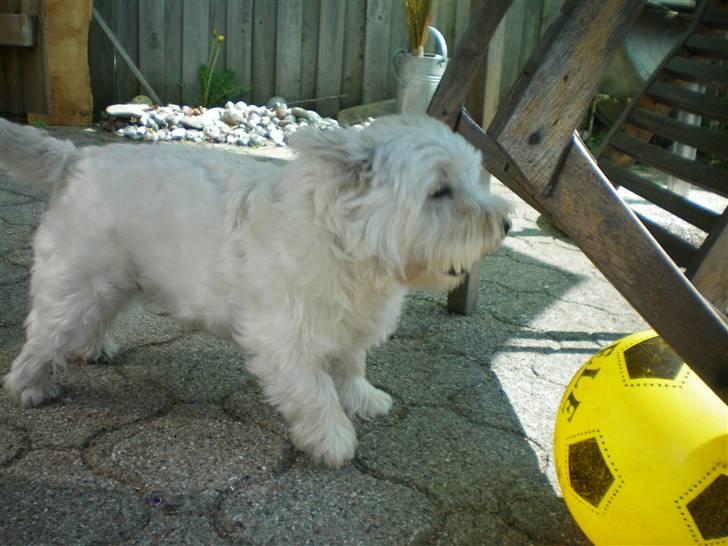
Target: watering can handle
[[441, 44], [440, 39]]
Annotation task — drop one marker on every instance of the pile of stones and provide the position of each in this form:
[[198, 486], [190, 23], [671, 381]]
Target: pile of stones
[[236, 123]]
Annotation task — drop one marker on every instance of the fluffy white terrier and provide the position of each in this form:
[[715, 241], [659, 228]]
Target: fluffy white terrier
[[305, 265]]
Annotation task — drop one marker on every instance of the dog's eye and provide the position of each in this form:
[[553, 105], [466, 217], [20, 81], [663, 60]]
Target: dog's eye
[[442, 193]]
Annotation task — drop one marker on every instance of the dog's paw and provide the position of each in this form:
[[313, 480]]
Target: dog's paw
[[333, 446], [361, 399], [29, 396]]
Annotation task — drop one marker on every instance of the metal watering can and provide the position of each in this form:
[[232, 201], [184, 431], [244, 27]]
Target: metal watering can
[[418, 77]]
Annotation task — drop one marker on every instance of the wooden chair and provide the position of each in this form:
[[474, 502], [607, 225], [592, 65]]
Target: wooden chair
[[532, 147]]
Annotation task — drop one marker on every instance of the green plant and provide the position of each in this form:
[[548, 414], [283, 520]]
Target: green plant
[[217, 86], [39, 123]]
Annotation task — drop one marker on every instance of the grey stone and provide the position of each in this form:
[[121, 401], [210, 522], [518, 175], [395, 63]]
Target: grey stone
[[193, 122], [127, 111], [178, 134]]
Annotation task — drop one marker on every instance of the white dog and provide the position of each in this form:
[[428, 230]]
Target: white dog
[[304, 265]]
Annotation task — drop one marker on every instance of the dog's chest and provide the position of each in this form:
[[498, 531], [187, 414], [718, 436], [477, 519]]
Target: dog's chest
[[373, 318]]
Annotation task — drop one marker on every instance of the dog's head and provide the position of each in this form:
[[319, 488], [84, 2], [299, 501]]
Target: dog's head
[[409, 193]]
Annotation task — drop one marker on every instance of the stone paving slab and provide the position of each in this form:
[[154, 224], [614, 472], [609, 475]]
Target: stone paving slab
[[173, 443]]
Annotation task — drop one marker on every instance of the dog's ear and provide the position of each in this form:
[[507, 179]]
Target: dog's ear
[[349, 150]]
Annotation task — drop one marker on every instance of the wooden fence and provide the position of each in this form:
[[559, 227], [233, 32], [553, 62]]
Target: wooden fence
[[299, 49]]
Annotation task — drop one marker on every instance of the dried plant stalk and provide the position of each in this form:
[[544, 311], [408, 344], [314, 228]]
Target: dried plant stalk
[[419, 15]]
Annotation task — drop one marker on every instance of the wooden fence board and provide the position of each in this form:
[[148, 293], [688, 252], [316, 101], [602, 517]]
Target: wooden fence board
[[274, 46], [10, 70], [398, 39], [101, 57], [239, 40], [173, 51], [376, 52], [330, 56], [218, 16], [264, 45], [152, 44], [353, 62], [309, 48], [126, 16], [289, 36], [195, 47]]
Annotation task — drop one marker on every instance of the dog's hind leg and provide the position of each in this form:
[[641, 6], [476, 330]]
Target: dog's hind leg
[[306, 397], [358, 397], [70, 315]]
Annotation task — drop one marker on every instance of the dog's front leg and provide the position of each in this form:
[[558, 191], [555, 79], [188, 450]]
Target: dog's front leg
[[306, 396], [358, 397]]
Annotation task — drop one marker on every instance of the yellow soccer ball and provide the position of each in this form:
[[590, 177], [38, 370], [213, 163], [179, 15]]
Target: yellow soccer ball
[[641, 448]]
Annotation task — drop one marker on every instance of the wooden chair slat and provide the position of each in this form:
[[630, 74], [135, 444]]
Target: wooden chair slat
[[694, 71], [708, 46], [697, 215], [700, 174], [707, 140], [691, 101]]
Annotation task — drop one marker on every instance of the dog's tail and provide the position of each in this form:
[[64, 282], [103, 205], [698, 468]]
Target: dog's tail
[[29, 155]]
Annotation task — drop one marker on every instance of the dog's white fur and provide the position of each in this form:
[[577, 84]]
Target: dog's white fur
[[304, 265]]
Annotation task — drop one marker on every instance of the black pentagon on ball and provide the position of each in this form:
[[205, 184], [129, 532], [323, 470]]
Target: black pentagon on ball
[[589, 474], [710, 509], [652, 359]]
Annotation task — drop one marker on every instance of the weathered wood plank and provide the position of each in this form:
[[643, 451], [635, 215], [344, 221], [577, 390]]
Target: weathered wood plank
[[309, 47], [174, 85], [17, 30], [444, 20], [612, 237], [195, 47], [218, 24], [36, 84], [689, 70], [708, 46], [701, 174], [462, 20], [68, 69], [239, 41], [126, 15], [680, 251], [709, 270], [678, 205], [122, 53], [152, 44], [715, 18], [469, 53], [376, 52], [289, 38], [330, 57], [558, 84], [353, 61], [101, 58], [264, 45], [398, 40], [692, 101], [707, 140]]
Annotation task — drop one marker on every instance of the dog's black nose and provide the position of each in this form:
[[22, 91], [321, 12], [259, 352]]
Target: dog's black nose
[[506, 226]]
